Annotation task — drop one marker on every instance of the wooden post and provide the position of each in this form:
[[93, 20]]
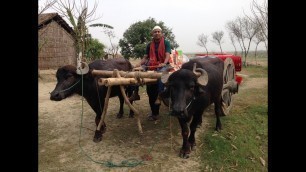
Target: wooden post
[[129, 104], [109, 89], [128, 79]]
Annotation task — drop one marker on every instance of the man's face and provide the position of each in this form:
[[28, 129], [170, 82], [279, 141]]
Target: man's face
[[157, 34]]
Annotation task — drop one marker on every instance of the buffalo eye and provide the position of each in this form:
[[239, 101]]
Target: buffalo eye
[[68, 75], [191, 87]]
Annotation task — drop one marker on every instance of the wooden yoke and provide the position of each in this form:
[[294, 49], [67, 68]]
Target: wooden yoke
[[134, 74], [124, 81], [122, 78], [129, 103]]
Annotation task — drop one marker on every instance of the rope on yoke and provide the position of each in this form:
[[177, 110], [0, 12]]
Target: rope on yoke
[[137, 77]]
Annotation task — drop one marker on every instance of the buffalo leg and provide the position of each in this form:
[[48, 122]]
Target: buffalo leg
[[218, 112], [199, 122], [193, 128], [121, 100], [98, 133], [103, 128], [185, 150], [129, 91], [131, 114]]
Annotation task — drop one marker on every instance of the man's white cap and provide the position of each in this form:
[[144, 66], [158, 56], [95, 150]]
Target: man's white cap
[[156, 28]]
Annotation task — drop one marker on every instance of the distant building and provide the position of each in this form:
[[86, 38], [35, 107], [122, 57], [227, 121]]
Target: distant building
[[55, 42]]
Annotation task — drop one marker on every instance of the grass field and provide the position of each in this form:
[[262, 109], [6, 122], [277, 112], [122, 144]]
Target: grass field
[[242, 145]]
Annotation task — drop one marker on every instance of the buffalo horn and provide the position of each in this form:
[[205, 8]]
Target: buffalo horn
[[203, 78]]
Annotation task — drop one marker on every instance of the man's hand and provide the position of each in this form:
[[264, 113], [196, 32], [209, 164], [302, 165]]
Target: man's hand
[[161, 65], [137, 65]]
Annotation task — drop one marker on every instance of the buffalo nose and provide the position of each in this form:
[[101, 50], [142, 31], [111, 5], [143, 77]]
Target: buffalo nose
[[55, 96]]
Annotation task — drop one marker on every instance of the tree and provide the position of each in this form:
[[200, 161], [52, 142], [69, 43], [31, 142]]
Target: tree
[[244, 30], [217, 38], [249, 30], [235, 29], [138, 35], [202, 41], [43, 7], [113, 50], [260, 17], [95, 50], [79, 16], [232, 38], [259, 37]]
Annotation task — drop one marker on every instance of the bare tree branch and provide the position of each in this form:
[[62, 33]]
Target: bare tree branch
[[234, 28], [259, 37], [45, 6], [79, 15], [114, 47], [244, 30], [217, 38], [260, 17], [231, 36], [202, 41]]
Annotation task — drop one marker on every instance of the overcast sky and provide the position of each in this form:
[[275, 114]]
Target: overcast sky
[[187, 19]]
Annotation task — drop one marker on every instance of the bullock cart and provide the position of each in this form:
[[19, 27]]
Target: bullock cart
[[138, 77]]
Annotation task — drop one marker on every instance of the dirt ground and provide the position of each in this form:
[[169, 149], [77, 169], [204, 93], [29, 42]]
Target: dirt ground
[[63, 148]]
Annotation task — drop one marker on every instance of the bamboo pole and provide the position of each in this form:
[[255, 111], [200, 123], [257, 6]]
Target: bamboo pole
[[109, 89], [135, 74], [124, 81]]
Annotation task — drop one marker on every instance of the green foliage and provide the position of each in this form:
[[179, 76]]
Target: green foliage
[[101, 25], [138, 35], [94, 49]]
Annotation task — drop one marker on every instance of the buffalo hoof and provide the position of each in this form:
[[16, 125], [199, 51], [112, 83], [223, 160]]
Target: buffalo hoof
[[131, 115], [184, 154], [98, 136], [218, 128], [193, 147], [119, 115], [103, 129]]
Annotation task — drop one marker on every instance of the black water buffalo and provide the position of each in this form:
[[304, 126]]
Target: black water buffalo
[[69, 83], [189, 96]]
